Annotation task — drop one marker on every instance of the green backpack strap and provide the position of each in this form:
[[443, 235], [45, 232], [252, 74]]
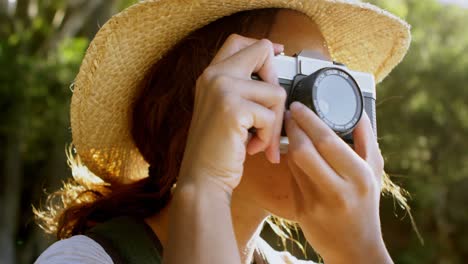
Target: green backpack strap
[[128, 240]]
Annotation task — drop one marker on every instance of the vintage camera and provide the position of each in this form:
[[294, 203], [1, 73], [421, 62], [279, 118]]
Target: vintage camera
[[335, 93]]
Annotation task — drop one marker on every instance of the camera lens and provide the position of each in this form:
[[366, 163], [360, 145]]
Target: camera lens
[[334, 96], [336, 99]]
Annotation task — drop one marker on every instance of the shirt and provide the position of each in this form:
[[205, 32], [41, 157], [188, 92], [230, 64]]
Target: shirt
[[81, 249]]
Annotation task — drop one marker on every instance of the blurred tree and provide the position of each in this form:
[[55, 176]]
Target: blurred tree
[[41, 47], [423, 118]]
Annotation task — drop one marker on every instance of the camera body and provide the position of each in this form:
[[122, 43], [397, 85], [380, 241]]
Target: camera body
[[335, 93]]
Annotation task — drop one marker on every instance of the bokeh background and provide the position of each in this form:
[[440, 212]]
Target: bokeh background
[[422, 117]]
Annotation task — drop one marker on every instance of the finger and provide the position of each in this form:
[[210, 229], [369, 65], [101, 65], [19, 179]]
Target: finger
[[274, 148], [270, 96], [308, 159], [332, 148], [262, 119], [306, 189], [366, 146], [257, 58], [268, 74], [235, 43]]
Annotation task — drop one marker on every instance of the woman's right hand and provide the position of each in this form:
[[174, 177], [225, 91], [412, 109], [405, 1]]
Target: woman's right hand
[[227, 103]]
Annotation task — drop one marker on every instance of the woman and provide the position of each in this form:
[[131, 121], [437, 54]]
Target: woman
[[177, 96]]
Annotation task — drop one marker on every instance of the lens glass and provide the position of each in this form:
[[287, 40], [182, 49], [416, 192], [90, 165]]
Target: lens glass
[[337, 99]]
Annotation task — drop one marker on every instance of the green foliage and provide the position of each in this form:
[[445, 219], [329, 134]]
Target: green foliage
[[34, 90], [125, 3], [423, 118], [42, 44]]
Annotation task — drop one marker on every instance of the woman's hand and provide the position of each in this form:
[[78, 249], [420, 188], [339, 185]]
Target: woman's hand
[[227, 103], [339, 188]]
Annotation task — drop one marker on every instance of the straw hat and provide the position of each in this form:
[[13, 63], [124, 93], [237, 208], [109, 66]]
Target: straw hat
[[360, 35]]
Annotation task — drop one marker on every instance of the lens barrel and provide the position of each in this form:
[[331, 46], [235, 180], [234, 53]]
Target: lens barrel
[[334, 96]]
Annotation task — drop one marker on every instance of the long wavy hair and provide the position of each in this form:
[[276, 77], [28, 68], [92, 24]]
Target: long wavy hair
[[161, 119]]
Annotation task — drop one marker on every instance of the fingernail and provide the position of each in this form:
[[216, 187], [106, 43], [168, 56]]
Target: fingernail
[[277, 157], [280, 45], [295, 106], [277, 79], [279, 48]]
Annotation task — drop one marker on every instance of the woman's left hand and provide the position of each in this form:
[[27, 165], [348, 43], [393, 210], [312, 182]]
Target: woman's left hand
[[339, 188]]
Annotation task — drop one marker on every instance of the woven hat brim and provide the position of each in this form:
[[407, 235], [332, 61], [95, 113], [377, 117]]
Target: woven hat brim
[[360, 35]]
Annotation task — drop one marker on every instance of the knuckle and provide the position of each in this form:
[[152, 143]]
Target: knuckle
[[234, 37], [207, 75], [367, 182], [341, 201], [227, 106], [218, 84], [266, 43], [270, 117], [325, 142], [226, 98], [380, 162], [281, 92]]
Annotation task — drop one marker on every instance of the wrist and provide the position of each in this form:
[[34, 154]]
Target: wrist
[[200, 211], [373, 253], [195, 188]]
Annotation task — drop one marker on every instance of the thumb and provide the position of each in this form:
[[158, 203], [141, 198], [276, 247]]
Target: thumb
[[366, 146]]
